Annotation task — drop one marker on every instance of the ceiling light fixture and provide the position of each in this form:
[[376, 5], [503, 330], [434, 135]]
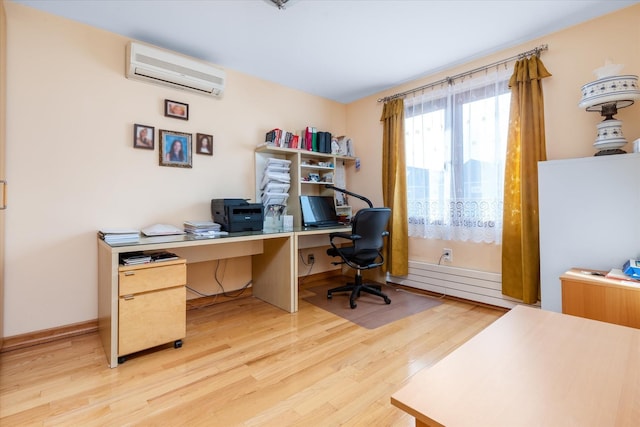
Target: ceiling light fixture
[[606, 95], [279, 3]]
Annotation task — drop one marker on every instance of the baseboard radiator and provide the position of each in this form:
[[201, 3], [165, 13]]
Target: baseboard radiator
[[473, 285]]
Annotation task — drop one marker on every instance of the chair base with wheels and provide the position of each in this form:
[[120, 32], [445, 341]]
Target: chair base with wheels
[[367, 233], [356, 288]]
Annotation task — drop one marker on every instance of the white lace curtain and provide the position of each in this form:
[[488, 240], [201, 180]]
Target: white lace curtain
[[456, 138]]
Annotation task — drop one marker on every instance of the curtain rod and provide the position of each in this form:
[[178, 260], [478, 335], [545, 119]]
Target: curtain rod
[[449, 80]]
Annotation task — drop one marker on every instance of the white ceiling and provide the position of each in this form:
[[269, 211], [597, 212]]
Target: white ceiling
[[338, 49]]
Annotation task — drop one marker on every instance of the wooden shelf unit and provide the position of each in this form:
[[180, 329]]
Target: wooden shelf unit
[[303, 163]]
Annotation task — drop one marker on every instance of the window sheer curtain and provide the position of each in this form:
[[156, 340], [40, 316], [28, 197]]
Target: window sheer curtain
[[455, 140]]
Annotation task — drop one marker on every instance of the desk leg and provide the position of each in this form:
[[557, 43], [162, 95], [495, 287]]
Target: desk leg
[[273, 273], [108, 302]]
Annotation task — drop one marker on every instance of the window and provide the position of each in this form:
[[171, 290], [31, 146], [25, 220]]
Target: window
[[456, 140]]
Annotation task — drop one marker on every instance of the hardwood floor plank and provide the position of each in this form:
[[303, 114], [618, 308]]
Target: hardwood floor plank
[[245, 363]]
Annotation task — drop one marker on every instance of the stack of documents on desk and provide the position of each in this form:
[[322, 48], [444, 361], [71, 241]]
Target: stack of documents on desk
[[119, 235], [161, 230], [203, 228]]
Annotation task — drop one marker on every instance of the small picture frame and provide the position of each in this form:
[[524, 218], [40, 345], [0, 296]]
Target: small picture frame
[[175, 149], [143, 136], [204, 144], [175, 109]]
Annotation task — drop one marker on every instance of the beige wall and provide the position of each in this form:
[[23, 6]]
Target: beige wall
[[570, 132], [73, 168]]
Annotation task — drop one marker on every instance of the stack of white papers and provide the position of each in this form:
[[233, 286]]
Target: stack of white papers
[[161, 230], [119, 235], [276, 182], [203, 228]]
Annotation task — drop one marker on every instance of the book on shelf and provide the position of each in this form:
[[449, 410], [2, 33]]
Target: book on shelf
[[281, 138], [273, 137], [345, 146], [134, 258], [324, 142], [140, 257], [311, 138], [162, 256]]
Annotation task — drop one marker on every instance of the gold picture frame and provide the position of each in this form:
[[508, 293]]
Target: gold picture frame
[[175, 149]]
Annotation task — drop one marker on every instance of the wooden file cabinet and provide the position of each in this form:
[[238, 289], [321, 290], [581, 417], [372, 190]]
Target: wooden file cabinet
[[600, 298], [151, 306]]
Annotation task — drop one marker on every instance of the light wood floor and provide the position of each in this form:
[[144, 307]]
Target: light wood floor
[[243, 362]]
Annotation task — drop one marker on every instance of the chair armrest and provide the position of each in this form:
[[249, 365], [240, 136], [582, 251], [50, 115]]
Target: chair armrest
[[346, 236]]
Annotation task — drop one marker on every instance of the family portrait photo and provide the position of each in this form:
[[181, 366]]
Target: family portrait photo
[[143, 136], [176, 109], [175, 149], [204, 144]]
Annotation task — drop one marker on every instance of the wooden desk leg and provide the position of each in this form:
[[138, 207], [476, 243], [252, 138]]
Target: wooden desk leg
[[273, 274]]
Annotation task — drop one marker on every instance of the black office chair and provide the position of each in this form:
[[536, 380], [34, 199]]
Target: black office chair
[[368, 228]]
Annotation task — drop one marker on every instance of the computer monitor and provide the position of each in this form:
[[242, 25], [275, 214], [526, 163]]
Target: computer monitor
[[318, 211]]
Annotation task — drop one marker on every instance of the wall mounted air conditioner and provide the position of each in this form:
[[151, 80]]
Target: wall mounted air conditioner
[[166, 68]]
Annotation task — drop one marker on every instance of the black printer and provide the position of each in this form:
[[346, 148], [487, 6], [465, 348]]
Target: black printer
[[237, 215]]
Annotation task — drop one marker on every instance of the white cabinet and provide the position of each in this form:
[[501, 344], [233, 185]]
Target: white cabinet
[[588, 217], [309, 173]]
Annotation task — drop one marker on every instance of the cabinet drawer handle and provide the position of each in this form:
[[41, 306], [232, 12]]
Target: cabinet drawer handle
[[129, 273], [128, 297]]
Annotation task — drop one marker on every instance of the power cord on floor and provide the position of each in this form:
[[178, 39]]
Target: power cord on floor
[[310, 265], [441, 296], [219, 283]]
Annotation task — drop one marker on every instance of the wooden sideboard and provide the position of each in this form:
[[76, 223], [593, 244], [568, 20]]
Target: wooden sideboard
[[600, 298]]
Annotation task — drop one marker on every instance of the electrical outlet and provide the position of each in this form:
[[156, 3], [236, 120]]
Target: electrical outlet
[[447, 255], [311, 259]]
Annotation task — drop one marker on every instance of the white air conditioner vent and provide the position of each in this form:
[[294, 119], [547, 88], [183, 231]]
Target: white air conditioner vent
[[163, 67]]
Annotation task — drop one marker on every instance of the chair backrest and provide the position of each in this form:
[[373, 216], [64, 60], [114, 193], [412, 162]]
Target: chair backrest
[[371, 225]]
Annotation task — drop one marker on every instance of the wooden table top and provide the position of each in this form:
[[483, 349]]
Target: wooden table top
[[532, 368]]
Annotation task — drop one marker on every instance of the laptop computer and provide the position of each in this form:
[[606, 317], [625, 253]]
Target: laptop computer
[[318, 211]]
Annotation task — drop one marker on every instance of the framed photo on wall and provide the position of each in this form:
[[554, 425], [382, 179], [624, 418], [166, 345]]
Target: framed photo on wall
[[175, 149], [176, 109], [143, 136], [204, 144]]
